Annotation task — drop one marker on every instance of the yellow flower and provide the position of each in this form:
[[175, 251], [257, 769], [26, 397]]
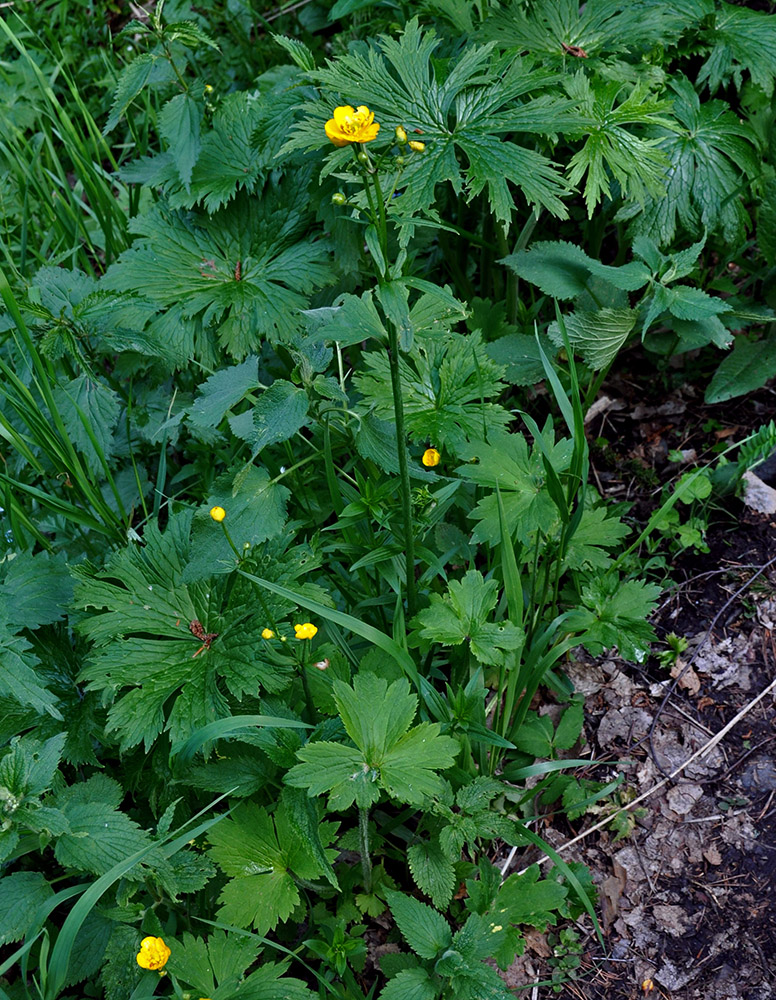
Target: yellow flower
[[348, 125], [153, 953], [217, 513], [401, 134], [431, 457], [267, 633], [306, 631], [415, 146]]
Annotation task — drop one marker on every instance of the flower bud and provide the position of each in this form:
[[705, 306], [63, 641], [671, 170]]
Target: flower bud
[[401, 135], [338, 199], [217, 513], [431, 457], [363, 157], [267, 633], [399, 161], [416, 147]]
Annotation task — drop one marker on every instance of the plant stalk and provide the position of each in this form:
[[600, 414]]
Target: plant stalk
[[366, 861]]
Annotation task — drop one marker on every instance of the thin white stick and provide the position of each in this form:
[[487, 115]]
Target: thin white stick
[[704, 750]]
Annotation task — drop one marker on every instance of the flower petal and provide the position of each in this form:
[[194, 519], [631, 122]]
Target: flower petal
[[342, 114]]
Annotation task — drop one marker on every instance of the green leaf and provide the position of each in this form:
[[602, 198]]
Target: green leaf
[[461, 615], [596, 336], [433, 873], [145, 69], [223, 960], [570, 725], [261, 854], [527, 899], [614, 613], [520, 476], [20, 680], [389, 754], [35, 591], [741, 41], [410, 984], [564, 270], [425, 931], [711, 157], [179, 122], [535, 735], [519, 353], [21, 895], [298, 51], [221, 391], [280, 412], [748, 366], [89, 406]]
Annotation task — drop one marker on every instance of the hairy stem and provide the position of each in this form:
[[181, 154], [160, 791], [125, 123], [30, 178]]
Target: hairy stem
[[366, 861]]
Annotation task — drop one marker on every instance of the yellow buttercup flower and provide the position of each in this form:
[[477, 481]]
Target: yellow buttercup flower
[[401, 134], [153, 953], [415, 146], [348, 125], [306, 631], [431, 457], [267, 633], [217, 513]]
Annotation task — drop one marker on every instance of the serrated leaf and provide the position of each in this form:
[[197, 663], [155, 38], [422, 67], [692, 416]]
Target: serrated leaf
[[615, 613], [528, 899], [563, 270], [410, 984], [20, 680], [298, 51], [461, 615], [221, 391], [741, 41], [35, 591], [519, 353], [261, 854], [433, 872], [425, 931], [748, 366], [86, 405], [21, 894], [596, 336], [570, 725], [144, 69], [179, 123], [279, 413]]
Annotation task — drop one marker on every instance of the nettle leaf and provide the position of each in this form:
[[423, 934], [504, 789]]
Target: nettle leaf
[[20, 679], [221, 391], [262, 855], [596, 336], [21, 894], [564, 270], [461, 615], [246, 270], [741, 41], [446, 379], [519, 353], [749, 365], [86, 405], [35, 591], [713, 155], [468, 110], [613, 150], [556, 28], [147, 69], [425, 931], [388, 754], [410, 984], [433, 872], [147, 662], [519, 474], [179, 124], [614, 613], [279, 413], [529, 899]]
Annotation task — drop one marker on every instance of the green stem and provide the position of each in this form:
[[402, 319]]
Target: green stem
[[366, 861]]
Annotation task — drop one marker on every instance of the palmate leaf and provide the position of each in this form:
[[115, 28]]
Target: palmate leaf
[[507, 463], [597, 27], [564, 271], [247, 270], [712, 157], [388, 755], [462, 615], [261, 854], [468, 109], [146, 660], [614, 613], [742, 41], [612, 148], [446, 380]]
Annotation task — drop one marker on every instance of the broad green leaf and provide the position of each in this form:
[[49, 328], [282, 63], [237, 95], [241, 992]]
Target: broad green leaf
[[261, 854], [280, 412], [748, 366], [613, 613], [462, 615], [410, 984], [433, 872], [564, 270], [425, 931], [35, 591], [529, 899], [89, 406], [21, 894], [221, 391], [519, 353], [145, 69], [596, 336], [179, 124], [20, 680]]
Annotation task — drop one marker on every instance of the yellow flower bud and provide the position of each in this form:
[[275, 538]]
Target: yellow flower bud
[[267, 633], [217, 513], [416, 147], [208, 88], [306, 631], [401, 135], [153, 953], [431, 457], [647, 986]]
